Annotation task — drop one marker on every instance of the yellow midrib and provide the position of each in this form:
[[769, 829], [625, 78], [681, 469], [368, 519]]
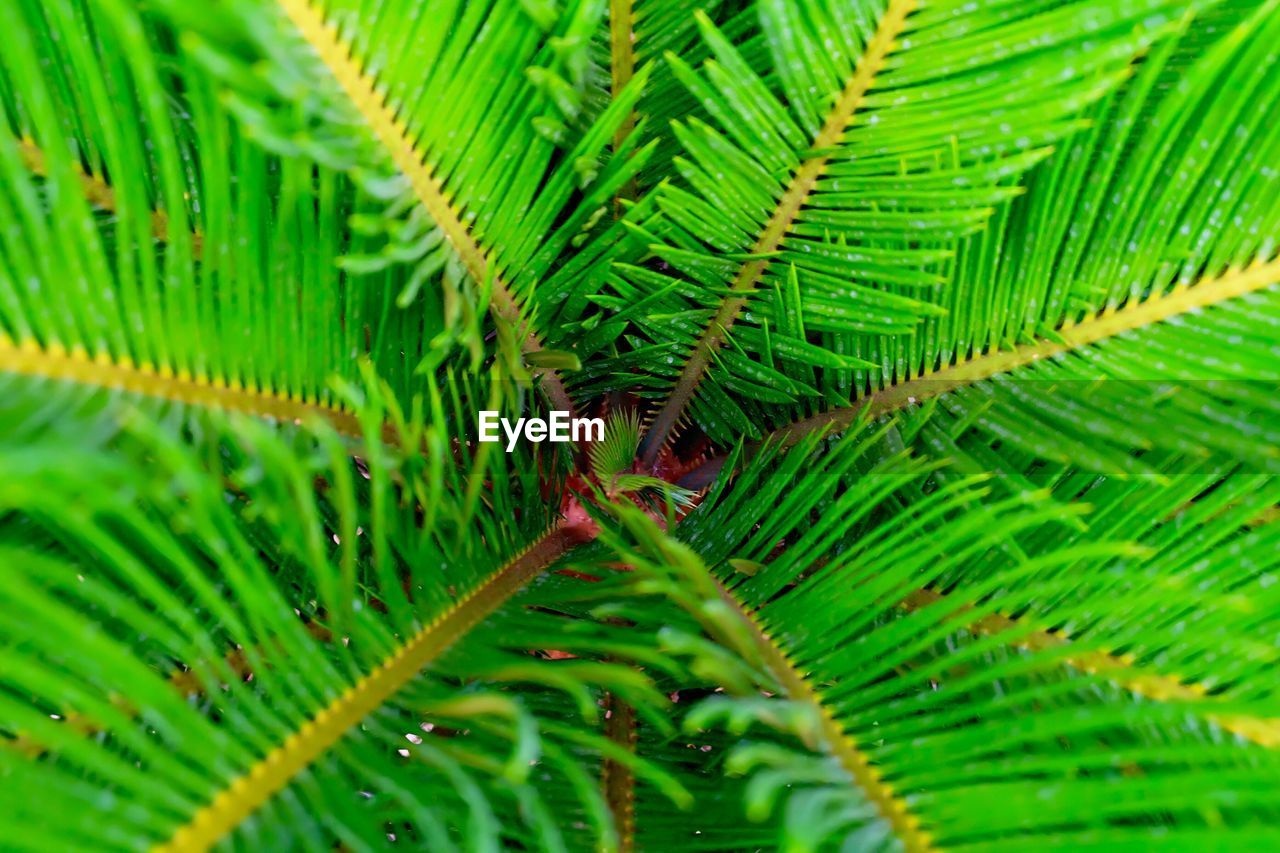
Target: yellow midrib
[[99, 193], [784, 216], [1118, 668], [1232, 284], [617, 779], [393, 134], [622, 58], [866, 775], [622, 66], [55, 362], [301, 749], [183, 681]]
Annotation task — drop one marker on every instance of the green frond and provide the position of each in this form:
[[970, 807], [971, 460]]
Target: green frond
[[1080, 257], [937, 504], [481, 201], [930, 705], [794, 183], [393, 609], [93, 290], [617, 451]]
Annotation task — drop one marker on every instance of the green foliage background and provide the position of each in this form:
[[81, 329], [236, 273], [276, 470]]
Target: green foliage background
[[939, 342]]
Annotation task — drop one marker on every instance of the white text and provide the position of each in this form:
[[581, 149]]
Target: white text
[[560, 427]]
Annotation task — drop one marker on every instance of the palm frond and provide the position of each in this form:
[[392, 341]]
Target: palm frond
[[775, 175], [1045, 260], [155, 286], [1092, 363], [908, 663], [447, 215], [281, 714], [936, 342]]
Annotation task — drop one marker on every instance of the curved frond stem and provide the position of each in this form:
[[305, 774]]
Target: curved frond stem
[[618, 781], [392, 133], [182, 681], [1070, 337], [1269, 517], [301, 749], [616, 778], [775, 230], [622, 66], [55, 362], [866, 775], [1117, 668], [100, 194]]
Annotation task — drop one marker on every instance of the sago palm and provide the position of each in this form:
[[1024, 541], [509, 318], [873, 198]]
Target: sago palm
[[936, 344]]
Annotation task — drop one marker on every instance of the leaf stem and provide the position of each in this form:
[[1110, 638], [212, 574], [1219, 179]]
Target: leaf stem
[[620, 727], [393, 133], [618, 781], [100, 194], [246, 794], [775, 230], [55, 362], [866, 775], [183, 681], [1118, 668], [1232, 284], [622, 68]]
